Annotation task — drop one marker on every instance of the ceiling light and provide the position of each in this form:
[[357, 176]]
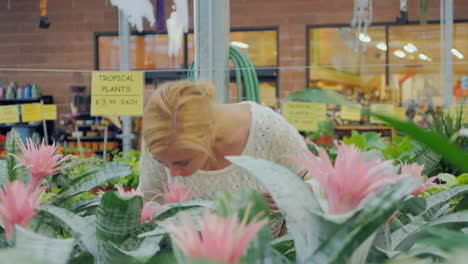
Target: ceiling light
[[241, 45], [382, 46], [399, 53], [457, 53], [364, 38], [410, 48], [423, 56]]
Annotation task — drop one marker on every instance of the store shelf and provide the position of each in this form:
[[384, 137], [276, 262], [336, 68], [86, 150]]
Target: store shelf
[[19, 124], [367, 128], [333, 77], [19, 101], [100, 138]]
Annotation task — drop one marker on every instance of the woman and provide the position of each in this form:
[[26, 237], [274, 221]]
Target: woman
[[186, 134]]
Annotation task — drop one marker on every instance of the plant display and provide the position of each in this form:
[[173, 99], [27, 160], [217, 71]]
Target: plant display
[[361, 204]]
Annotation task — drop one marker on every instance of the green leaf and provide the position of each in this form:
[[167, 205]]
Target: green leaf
[[285, 246], [462, 205], [422, 251], [433, 141], [97, 176], [170, 210], [414, 206], [17, 256], [284, 241], [356, 139], [194, 212], [117, 218], [449, 179], [3, 172], [12, 146], [349, 236], [228, 204], [404, 238], [84, 204], [148, 248], [297, 203], [438, 200], [163, 258], [83, 229], [50, 250], [445, 239], [463, 179], [401, 149], [374, 141], [273, 256]]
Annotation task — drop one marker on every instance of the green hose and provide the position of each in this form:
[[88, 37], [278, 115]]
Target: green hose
[[246, 76]]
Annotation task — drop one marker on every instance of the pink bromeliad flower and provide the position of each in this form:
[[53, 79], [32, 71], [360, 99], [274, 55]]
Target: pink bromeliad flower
[[19, 205], [350, 180], [41, 160], [175, 192], [221, 240], [417, 170], [149, 208]]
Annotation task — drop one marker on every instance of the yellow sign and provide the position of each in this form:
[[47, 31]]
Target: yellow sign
[[400, 113], [31, 112], [9, 114], [383, 109], [352, 113], [117, 93], [304, 116], [49, 112]]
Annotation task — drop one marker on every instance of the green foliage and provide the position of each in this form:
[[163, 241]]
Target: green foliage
[[131, 158], [50, 250], [399, 149], [434, 142], [12, 146]]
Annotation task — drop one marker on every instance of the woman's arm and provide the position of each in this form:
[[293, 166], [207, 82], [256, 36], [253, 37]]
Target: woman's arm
[[152, 174]]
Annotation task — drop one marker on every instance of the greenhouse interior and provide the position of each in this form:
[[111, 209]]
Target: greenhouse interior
[[212, 132]]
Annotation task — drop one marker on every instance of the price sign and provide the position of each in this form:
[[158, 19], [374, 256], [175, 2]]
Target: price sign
[[304, 116], [117, 93]]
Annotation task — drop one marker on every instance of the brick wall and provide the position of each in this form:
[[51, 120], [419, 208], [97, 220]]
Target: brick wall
[[69, 43]]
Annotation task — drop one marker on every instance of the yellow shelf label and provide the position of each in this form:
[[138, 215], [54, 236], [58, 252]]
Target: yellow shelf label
[[49, 111], [352, 113], [383, 109], [9, 114], [31, 112], [304, 116]]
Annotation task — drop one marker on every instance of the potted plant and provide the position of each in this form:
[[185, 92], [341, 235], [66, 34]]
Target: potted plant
[[325, 131]]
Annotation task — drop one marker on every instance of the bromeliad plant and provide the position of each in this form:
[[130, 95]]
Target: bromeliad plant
[[362, 210], [54, 227]]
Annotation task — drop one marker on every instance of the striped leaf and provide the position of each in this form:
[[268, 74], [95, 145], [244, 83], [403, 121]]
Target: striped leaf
[[49, 250], [97, 176], [296, 202], [117, 218], [12, 146], [83, 229]]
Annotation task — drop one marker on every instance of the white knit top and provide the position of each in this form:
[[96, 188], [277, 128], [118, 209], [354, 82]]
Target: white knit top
[[271, 137]]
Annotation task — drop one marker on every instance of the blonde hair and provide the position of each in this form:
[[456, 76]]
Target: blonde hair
[[180, 113]]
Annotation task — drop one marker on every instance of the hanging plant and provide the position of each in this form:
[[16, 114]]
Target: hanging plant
[[44, 21], [423, 7]]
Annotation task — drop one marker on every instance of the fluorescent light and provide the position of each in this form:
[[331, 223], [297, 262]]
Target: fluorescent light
[[364, 38], [410, 48], [457, 53], [241, 45], [423, 56], [382, 46], [399, 53]]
